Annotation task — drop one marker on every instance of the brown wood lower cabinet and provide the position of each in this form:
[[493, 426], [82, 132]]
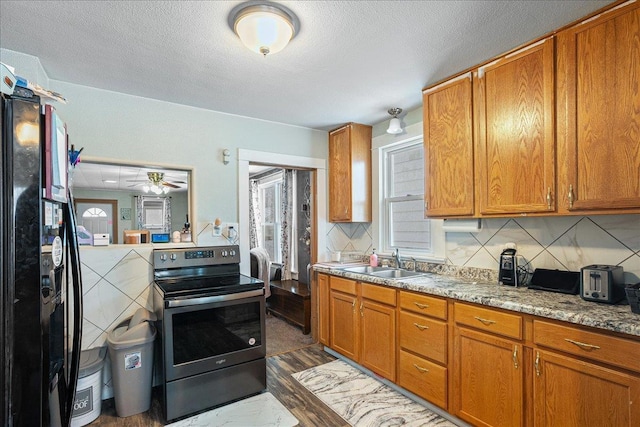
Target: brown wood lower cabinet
[[573, 393], [422, 338], [324, 303], [378, 329], [488, 379], [423, 378], [484, 365], [344, 324], [363, 324]]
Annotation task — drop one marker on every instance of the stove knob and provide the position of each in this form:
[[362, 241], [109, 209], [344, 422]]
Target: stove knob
[[163, 257], [232, 252], [224, 253], [174, 257]]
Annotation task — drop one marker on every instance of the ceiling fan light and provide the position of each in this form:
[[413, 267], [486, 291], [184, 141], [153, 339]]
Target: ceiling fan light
[[265, 28]]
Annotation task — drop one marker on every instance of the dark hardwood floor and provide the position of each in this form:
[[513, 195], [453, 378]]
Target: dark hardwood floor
[[307, 408]]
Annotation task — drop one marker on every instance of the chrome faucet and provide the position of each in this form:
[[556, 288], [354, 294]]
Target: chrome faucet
[[396, 255]]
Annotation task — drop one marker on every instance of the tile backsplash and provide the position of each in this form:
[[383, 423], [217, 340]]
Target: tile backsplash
[[564, 243]]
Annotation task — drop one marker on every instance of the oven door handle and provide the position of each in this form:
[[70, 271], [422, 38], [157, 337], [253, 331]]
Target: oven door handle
[[217, 298]]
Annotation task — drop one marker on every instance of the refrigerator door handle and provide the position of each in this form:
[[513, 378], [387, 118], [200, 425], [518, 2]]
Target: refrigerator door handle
[[74, 257]]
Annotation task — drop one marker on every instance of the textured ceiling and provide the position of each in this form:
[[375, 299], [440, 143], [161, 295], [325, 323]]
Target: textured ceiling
[[351, 61]]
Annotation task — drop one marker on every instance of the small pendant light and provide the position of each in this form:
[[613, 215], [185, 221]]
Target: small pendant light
[[395, 126]]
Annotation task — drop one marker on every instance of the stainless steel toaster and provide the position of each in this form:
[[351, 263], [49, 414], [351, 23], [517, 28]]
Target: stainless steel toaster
[[602, 283]]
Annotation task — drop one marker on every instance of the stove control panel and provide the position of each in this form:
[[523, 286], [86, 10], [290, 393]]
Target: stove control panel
[[199, 254], [195, 257]]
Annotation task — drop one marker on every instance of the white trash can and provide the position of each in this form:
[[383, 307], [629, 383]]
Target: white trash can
[[131, 354], [88, 402]]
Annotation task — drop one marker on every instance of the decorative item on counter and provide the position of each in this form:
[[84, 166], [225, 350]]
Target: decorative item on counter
[[336, 256], [176, 237], [217, 229], [185, 236], [373, 259]]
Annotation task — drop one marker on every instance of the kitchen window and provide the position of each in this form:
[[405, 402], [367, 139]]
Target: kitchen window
[[403, 225]]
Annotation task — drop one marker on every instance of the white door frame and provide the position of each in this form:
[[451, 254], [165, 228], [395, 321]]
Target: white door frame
[[319, 167]]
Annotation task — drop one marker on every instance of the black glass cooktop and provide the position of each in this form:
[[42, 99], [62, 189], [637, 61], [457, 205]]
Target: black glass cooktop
[[207, 285]]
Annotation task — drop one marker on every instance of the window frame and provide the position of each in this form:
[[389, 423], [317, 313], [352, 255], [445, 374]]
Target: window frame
[[275, 181], [382, 145]]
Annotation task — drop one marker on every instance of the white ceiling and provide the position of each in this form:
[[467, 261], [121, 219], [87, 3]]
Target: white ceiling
[[351, 61], [105, 177]]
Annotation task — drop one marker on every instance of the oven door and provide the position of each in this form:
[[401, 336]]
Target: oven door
[[209, 333]]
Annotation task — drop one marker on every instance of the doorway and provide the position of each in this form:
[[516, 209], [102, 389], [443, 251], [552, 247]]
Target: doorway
[[98, 216], [318, 203]]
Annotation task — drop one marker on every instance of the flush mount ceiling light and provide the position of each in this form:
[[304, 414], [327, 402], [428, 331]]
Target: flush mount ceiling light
[[394, 124], [263, 26]]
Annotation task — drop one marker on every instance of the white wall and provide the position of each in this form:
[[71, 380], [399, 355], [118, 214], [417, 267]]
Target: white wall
[[123, 127], [117, 126]]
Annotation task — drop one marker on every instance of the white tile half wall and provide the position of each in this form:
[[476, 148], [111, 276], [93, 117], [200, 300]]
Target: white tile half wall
[[564, 243]]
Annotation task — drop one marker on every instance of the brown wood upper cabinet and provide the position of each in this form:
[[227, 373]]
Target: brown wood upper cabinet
[[448, 148], [515, 146], [350, 174], [598, 109]]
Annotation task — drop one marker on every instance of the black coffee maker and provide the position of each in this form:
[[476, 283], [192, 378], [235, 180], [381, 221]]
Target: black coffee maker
[[508, 274]]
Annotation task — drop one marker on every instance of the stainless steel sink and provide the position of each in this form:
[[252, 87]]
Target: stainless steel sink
[[395, 273], [385, 272], [366, 269]]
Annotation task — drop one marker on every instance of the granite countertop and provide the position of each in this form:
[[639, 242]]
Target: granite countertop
[[568, 308]]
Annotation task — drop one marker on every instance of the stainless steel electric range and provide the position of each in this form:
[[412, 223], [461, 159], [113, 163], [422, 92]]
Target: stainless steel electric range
[[211, 343]]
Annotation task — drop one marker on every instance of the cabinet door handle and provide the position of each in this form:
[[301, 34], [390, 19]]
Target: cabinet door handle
[[549, 198], [421, 306], [583, 345], [537, 364], [353, 306], [419, 326], [485, 321], [361, 310], [570, 196], [515, 357], [420, 368]]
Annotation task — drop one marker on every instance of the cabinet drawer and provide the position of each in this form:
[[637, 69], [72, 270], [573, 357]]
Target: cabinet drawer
[[613, 350], [509, 325], [427, 337], [379, 294], [342, 285], [423, 304], [423, 378]]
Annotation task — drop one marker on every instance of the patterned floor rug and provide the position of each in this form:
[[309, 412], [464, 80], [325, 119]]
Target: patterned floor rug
[[363, 401], [262, 410]]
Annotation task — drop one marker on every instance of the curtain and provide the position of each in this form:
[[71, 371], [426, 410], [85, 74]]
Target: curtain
[[255, 219], [286, 205], [139, 212], [167, 215]]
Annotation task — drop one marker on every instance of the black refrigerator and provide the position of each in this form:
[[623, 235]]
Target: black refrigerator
[[41, 295]]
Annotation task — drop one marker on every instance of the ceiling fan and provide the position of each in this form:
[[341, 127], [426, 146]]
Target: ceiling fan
[[156, 183]]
